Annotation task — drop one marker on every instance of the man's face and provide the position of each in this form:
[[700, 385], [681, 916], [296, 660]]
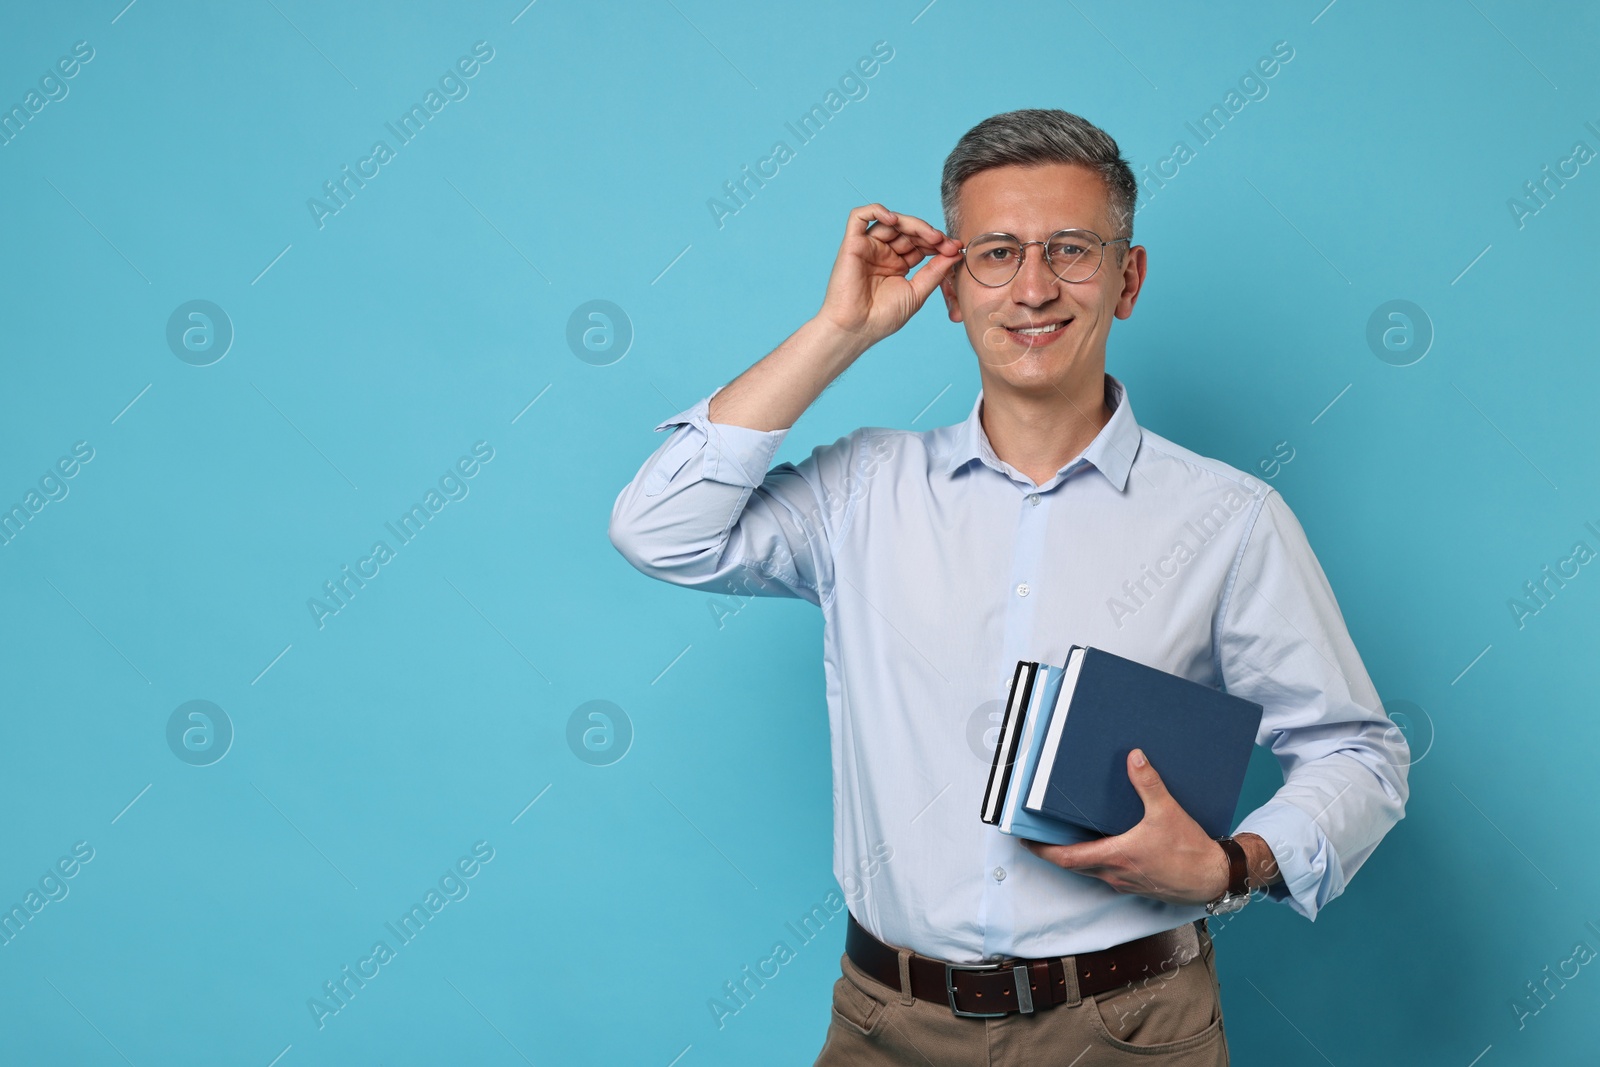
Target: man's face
[[1031, 203]]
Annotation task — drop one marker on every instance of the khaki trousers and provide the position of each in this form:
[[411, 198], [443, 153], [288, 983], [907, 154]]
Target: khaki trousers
[[1174, 1018]]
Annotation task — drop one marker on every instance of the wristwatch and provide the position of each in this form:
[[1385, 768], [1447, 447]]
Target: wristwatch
[[1237, 895]]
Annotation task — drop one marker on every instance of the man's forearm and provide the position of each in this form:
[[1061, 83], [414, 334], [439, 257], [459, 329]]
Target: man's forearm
[[776, 391]]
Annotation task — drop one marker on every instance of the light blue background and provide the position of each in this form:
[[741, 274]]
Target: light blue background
[[427, 315]]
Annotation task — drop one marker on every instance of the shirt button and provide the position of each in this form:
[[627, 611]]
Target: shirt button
[[1033, 498], [999, 874], [1022, 590]]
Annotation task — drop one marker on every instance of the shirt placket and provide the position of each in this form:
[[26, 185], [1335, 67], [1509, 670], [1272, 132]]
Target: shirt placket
[[998, 911]]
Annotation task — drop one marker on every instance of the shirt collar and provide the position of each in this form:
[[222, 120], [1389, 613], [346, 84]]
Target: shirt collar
[[1111, 452]]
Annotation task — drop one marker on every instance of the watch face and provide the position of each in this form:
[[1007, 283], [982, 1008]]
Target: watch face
[[1229, 903]]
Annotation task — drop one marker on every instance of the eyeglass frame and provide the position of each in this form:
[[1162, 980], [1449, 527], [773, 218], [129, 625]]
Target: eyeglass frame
[[1022, 254]]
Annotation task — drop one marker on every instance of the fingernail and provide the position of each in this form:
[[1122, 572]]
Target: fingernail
[[1138, 757]]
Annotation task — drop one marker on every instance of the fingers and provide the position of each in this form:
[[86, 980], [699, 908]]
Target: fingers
[[1121, 877], [913, 240], [925, 235], [1146, 782], [900, 232], [862, 218], [902, 244], [929, 278], [1081, 856]]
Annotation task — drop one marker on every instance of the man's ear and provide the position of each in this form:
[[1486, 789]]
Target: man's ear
[[948, 288], [1134, 266]]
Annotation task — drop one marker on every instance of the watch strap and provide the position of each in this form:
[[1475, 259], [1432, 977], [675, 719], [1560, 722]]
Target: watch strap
[[1238, 867]]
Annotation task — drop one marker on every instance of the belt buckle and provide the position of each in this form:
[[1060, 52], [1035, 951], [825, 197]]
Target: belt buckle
[[1020, 973]]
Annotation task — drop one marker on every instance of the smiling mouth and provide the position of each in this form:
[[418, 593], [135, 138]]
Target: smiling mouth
[[1038, 335]]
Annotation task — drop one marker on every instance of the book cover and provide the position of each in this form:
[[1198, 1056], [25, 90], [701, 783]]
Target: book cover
[[1197, 738]]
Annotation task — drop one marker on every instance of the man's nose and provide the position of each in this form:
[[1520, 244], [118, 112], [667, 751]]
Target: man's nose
[[1035, 283]]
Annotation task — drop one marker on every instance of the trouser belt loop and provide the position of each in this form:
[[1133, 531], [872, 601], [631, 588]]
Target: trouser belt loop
[[905, 977], [1066, 967]]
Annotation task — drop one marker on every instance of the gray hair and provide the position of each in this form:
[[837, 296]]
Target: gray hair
[[1040, 135]]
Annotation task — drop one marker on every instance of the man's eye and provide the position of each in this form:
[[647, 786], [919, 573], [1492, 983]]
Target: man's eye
[[997, 255]]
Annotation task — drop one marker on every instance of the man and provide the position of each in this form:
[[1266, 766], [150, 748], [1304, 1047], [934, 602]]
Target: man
[[939, 559]]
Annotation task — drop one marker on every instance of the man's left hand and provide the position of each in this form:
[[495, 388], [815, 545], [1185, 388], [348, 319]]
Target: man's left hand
[[1166, 855]]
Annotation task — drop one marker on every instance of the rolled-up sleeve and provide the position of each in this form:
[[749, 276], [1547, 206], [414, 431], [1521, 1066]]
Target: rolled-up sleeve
[[1282, 642], [706, 512]]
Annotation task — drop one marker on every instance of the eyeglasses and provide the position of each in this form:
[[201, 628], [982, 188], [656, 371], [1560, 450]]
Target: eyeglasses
[[993, 259]]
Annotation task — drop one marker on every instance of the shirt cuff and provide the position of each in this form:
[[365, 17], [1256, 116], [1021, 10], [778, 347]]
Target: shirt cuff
[[733, 455], [1310, 867]]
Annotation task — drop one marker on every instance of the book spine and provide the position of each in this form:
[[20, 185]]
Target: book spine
[[1005, 750]]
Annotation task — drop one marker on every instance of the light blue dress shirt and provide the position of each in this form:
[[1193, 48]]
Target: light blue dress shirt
[[938, 566]]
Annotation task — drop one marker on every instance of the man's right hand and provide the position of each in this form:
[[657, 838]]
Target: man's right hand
[[869, 294], [869, 297]]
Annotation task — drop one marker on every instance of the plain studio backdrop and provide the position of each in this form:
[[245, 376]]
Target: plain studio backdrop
[[284, 282]]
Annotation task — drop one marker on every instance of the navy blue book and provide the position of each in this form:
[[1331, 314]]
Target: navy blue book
[[1197, 738]]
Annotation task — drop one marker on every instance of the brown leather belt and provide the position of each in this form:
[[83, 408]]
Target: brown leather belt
[[1010, 985]]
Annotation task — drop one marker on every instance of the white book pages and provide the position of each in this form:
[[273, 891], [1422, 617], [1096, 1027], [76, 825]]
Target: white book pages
[[1000, 773], [1058, 720]]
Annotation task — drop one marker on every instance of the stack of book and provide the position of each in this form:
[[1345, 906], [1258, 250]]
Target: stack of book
[[1060, 770]]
